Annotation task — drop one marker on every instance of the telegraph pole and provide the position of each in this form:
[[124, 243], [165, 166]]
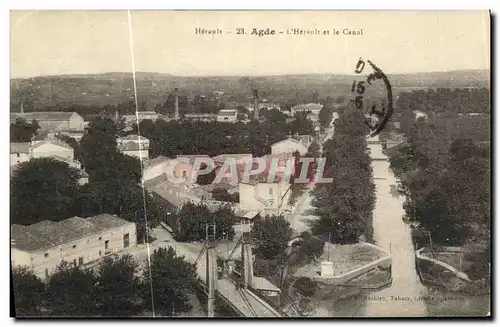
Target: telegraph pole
[[211, 266]]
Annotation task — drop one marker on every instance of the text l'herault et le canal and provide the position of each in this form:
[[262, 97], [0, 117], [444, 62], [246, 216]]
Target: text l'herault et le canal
[[288, 31]]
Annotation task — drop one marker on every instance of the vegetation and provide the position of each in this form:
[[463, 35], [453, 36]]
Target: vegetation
[[345, 206], [271, 236], [43, 189], [193, 219], [444, 168], [223, 195], [22, 131], [173, 138], [171, 279], [114, 290]]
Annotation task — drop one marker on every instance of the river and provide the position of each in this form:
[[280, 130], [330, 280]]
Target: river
[[406, 296]]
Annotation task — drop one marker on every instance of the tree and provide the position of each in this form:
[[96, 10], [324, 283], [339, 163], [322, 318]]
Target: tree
[[311, 247], [301, 125], [345, 206], [28, 292], [43, 189], [168, 282], [220, 194], [118, 287], [271, 236], [71, 291], [325, 116], [305, 286], [195, 217], [22, 131]]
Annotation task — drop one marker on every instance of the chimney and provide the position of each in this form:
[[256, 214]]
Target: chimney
[[256, 104], [22, 108], [176, 90]]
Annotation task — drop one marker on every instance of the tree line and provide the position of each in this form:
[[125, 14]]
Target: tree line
[[445, 100], [345, 206], [117, 287], [174, 138]]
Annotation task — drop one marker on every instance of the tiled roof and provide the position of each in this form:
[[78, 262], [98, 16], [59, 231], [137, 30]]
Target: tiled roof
[[155, 161], [309, 106], [223, 185], [43, 115], [260, 283], [19, 147], [223, 157], [289, 140], [53, 141], [132, 146], [134, 137], [47, 234], [155, 181]]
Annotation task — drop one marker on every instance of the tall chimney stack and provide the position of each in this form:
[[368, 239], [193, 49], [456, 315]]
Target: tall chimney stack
[[176, 91], [22, 108], [256, 104]]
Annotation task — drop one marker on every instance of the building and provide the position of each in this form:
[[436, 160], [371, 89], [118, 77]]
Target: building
[[19, 153], [290, 145], [134, 146], [314, 108], [241, 160], [143, 115], [280, 161], [201, 117], [52, 148], [79, 241], [419, 114], [68, 123], [227, 116], [267, 198], [155, 167]]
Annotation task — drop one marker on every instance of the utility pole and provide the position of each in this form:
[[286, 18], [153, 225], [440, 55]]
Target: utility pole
[[329, 242], [211, 266]]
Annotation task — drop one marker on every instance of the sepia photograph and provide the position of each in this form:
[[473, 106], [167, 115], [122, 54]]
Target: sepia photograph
[[250, 164]]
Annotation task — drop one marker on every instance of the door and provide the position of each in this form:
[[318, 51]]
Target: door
[[126, 240]]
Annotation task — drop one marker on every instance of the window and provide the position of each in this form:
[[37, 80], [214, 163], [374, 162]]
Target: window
[[184, 174], [100, 253], [100, 238], [270, 191], [80, 261], [106, 244], [126, 240], [46, 255], [46, 273], [74, 246], [74, 262], [18, 155]]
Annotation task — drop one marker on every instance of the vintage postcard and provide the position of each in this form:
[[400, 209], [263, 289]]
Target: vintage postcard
[[276, 164]]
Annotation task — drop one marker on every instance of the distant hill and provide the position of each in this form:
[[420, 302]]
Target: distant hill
[[153, 88]]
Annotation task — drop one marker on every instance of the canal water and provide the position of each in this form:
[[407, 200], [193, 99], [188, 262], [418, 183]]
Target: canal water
[[406, 296]]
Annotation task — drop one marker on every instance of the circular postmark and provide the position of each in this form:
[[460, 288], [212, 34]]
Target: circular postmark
[[379, 110]]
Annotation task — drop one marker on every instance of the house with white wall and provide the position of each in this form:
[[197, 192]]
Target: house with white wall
[[269, 198], [79, 241], [290, 145], [227, 116], [134, 146], [68, 123]]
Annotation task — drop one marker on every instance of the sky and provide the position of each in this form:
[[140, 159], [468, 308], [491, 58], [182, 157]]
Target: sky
[[89, 42]]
